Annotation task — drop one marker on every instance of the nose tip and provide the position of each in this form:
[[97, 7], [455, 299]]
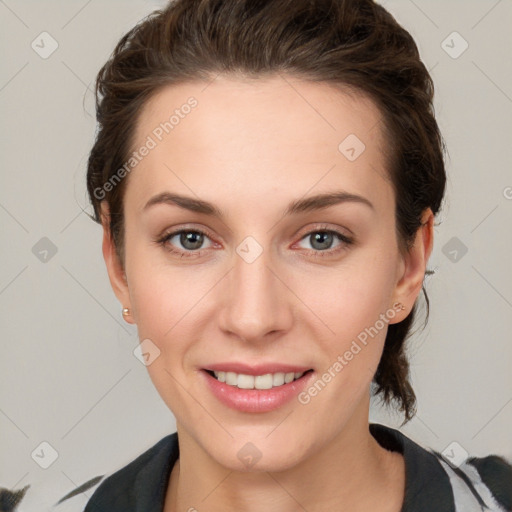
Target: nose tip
[[254, 304]]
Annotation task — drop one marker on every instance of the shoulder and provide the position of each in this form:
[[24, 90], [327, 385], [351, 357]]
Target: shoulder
[[45, 495], [142, 482], [496, 474], [434, 482], [488, 479], [144, 478]]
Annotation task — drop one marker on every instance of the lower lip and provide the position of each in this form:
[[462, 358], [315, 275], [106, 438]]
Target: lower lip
[[256, 400]]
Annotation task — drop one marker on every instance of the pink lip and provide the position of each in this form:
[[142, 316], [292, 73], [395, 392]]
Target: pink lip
[[257, 369], [256, 400]]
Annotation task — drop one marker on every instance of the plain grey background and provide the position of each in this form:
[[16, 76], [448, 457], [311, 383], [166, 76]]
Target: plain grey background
[[68, 373]]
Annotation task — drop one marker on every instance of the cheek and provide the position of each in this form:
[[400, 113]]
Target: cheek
[[356, 307], [350, 298], [161, 300], [159, 294], [163, 304]]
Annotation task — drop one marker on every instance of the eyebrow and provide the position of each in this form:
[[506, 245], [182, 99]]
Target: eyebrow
[[312, 203]]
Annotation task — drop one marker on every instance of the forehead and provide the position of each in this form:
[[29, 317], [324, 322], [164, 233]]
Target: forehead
[[259, 135]]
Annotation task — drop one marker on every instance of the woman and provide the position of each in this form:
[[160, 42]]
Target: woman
[[267, 175]]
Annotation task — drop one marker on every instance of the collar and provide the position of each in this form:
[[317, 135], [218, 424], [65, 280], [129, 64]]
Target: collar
[[427, 486]]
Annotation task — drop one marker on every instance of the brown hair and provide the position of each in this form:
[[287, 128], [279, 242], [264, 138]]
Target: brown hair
[[354, 43]]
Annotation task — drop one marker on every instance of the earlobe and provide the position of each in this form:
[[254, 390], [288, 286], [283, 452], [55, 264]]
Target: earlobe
[[414, 264], [115, 269]]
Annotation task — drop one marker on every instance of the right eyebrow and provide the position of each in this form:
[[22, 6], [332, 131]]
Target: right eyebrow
[[186, 202]]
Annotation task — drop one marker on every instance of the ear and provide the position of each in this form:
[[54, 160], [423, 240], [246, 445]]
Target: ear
[[115, 269], [413, 266]]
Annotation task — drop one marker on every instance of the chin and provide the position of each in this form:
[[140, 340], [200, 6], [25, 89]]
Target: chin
[[246, 456]]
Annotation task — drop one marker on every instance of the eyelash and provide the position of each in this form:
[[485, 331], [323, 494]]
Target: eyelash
[[346, 242]]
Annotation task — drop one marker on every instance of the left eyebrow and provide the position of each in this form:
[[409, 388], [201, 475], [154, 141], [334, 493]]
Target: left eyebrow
[[317, 202], [321, 201]]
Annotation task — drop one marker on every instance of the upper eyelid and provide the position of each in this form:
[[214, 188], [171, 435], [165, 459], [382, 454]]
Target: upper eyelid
[[174, 232]]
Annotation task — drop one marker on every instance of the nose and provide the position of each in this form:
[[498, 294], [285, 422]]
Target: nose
[[255, 300]]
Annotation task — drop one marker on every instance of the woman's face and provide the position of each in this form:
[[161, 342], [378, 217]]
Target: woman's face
[[269, 284]]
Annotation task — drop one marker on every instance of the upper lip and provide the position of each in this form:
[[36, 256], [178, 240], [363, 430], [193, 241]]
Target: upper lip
[[256, 369]]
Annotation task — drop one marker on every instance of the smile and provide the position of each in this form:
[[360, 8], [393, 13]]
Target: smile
[[266, 381], [256, 393]]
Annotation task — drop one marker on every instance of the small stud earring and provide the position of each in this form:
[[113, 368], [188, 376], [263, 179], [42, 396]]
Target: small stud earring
[[126, 311], [399, 305]]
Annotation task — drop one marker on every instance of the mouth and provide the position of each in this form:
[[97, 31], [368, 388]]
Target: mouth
[[256, 388], [259, 382]]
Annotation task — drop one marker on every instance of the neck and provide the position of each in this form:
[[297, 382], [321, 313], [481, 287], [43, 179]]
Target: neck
[[352, 472]]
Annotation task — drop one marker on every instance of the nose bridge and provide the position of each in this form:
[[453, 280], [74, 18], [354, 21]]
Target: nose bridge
[[255, 303]]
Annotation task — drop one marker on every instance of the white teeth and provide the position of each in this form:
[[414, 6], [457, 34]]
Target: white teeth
[[263, 381], [231, 379], [288, 377], [278, 379], [267, 381], [245, 381]]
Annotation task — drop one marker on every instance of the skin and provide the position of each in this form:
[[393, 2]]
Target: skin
[[251, 147]]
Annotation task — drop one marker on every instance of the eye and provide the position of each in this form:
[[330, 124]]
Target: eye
[[322, 240], [191, 240]]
